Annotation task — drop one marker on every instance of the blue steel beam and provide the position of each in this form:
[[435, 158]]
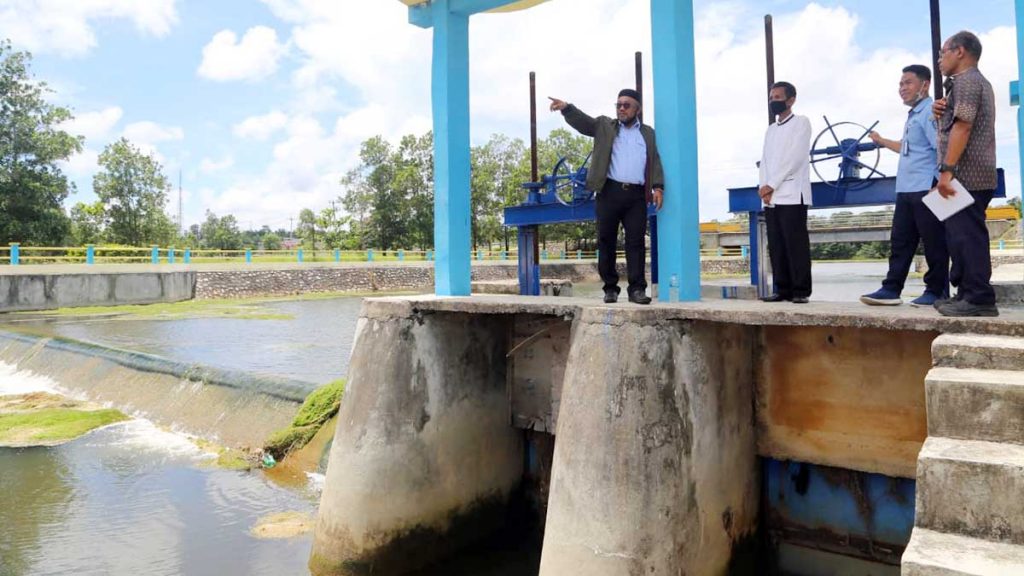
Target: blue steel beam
[[450, 102], [880, 192], [676, 118]]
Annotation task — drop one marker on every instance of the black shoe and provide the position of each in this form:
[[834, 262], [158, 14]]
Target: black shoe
[[965, 308], [639, 297], [611, 296], [800, 300], [774, 298]]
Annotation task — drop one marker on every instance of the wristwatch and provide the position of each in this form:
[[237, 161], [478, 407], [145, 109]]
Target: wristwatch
[[951, 168]]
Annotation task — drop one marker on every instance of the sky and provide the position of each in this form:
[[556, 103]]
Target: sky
[[260, 105]]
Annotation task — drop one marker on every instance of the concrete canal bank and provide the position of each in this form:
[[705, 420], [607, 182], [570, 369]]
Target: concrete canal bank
[[708, 438], [56, 286]]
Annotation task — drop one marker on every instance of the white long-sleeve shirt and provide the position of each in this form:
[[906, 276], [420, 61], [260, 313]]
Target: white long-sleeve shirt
[[785, 161]]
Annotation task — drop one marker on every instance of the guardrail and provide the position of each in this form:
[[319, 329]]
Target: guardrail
[[16, 254]]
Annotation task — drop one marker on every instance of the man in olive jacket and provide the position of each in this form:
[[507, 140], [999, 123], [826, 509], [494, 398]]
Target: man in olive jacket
[[626, 173]]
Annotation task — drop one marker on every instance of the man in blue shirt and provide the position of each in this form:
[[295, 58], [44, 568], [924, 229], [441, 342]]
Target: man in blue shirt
[[913, 221]]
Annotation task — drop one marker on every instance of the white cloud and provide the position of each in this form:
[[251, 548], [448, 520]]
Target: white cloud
[[94, 125], [209, 165], [254, 57], [355, 80], [261, 127], [65, 27], [147, 132]]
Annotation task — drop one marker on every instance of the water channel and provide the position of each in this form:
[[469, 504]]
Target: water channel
[[135, 499]]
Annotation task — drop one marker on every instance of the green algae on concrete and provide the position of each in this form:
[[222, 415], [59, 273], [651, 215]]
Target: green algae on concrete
[[283, 525], [318, 408], [43, 419]]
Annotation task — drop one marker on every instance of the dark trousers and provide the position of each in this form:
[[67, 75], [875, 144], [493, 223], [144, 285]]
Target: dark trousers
[[626, 205], [967, 238], [913, 222], [789, 248]]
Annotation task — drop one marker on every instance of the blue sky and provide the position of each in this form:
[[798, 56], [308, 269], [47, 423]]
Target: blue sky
[[261, 104]]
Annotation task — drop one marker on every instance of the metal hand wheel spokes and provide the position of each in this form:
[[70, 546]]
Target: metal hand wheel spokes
[[849, 145], [568, 183]]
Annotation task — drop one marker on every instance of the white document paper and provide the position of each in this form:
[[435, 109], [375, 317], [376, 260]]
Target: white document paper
[[943, 208]]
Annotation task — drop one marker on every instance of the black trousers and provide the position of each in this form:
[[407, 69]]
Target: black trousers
[[789, 248], [967, 238], [913, 222], [625, 204]]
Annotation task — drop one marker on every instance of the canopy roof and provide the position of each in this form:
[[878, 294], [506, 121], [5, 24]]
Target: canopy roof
[[520, 5]]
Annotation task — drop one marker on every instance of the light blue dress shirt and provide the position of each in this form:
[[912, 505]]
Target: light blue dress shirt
[[919, 151], [629, 155]]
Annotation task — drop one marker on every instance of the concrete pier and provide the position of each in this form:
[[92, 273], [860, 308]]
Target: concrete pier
[[424, 459], [655, 460]]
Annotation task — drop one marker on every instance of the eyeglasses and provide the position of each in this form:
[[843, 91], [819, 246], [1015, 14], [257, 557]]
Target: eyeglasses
[[623, 105]]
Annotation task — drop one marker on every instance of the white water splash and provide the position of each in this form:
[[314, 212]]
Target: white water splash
[[140, 435], [14, 381], [316, 481]]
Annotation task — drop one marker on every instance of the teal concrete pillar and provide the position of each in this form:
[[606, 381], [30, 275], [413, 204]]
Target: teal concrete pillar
[[676, 119], [15, 254], [450, 103], [401, 255], [188, 255], [90, 254], [298, 256], [154, 255], [170, 255], [1019, 10], [337, 255], [248, 256]]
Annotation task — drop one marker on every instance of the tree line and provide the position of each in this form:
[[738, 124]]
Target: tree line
[[386, 201]]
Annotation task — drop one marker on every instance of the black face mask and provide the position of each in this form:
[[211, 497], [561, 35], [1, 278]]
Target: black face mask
[[777, 107]]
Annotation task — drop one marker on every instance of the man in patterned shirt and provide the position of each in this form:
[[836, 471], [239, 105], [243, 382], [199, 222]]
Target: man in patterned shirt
[[967, 152]]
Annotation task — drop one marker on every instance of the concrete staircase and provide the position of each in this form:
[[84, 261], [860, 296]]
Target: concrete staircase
[[969, 518]]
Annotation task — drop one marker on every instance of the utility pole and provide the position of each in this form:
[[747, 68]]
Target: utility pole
[[180, 222]]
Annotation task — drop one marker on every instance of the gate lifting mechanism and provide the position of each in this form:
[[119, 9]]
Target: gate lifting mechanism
[[559, 197]]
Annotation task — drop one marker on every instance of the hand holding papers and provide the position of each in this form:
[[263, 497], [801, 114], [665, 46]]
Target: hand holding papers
[[943, 208]]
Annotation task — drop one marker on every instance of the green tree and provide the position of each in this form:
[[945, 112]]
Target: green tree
[[271, 241], [32, 186], [220, 233], [307, 228], [88, 223], [1015, 202], [498, 173], [133, 190]]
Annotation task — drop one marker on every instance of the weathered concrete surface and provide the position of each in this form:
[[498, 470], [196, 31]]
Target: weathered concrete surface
[[936, 554], [976, 351], [548, 287], [655, 469], [537, 361], [971, 488], [35, 291], [743, 312], [424, 458], [976, 404], [852, 398]]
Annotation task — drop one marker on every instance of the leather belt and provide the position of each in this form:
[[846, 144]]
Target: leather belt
[[625, 185]]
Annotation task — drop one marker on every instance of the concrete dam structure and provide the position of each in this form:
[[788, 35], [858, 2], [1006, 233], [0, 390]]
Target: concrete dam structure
[[718, 437]]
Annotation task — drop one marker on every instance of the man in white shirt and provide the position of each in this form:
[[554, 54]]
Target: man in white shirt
[[785, 189]]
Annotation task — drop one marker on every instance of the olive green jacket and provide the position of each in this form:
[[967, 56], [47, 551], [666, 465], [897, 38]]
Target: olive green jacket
[[604, 130]]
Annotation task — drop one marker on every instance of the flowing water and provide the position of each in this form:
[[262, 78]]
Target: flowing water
[[134, 499]]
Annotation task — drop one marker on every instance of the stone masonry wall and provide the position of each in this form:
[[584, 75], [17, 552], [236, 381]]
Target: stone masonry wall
[[369, 278]]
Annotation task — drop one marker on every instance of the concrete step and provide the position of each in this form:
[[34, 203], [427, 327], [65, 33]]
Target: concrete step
[[975, 404], [972, 489], [936, 554], [978, 351]]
